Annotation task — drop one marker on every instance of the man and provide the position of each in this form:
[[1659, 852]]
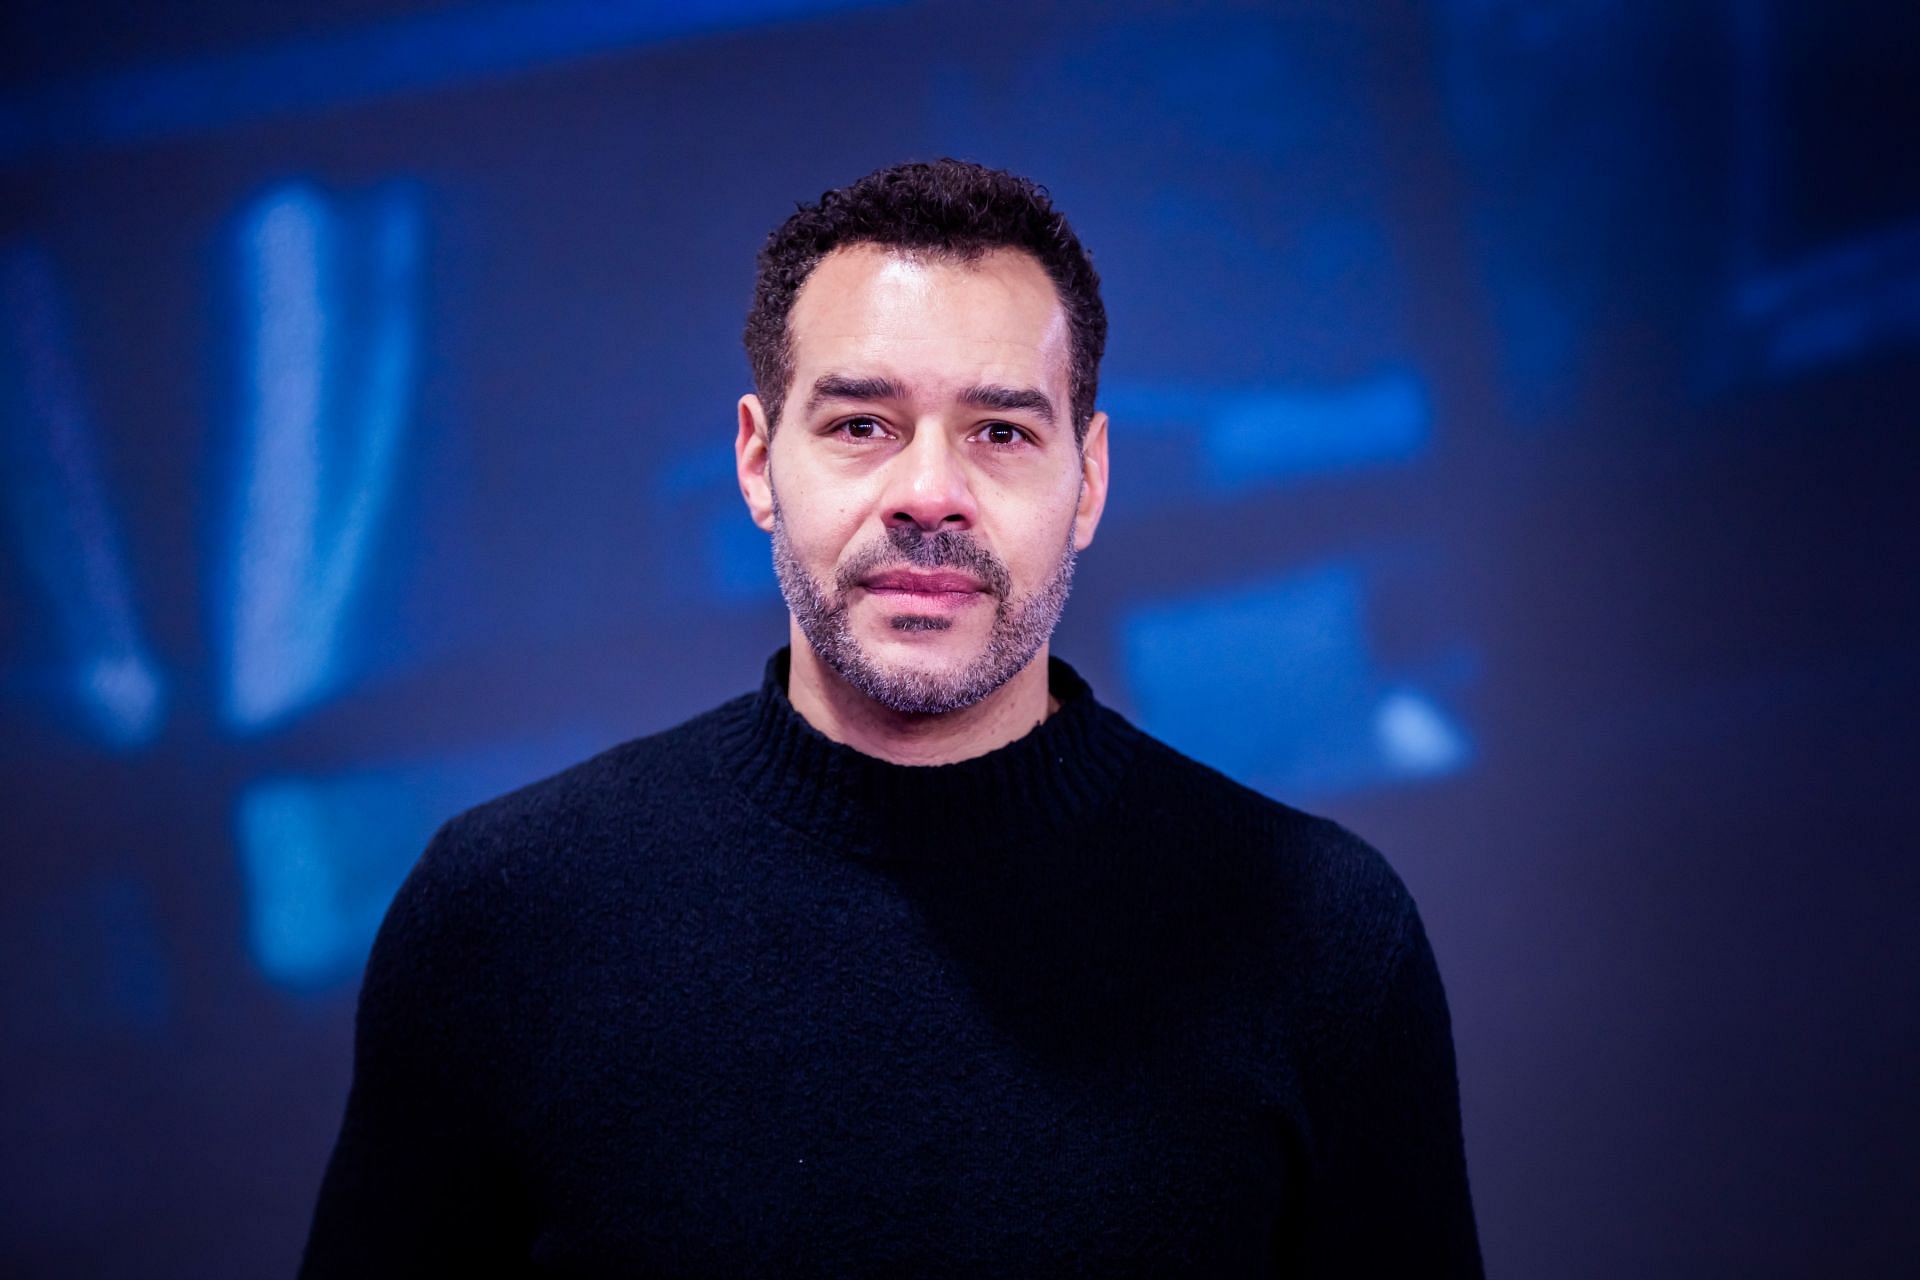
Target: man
[[918, 960]]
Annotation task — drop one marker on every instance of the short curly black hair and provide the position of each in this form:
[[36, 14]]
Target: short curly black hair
[[947, 208]]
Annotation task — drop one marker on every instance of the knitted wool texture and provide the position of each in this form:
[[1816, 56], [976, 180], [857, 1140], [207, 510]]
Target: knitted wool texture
[[734, 999]]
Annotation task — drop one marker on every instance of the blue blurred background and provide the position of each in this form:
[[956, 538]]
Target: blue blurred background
[[1512, 444]]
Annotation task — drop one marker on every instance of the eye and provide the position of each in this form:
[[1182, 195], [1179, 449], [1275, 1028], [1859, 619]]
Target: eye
[[1003, 435], [861, 428]]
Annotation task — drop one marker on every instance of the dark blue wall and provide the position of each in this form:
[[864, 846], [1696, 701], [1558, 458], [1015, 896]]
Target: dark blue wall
[[1513, 458]]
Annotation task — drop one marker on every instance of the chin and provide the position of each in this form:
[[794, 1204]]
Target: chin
[[913, 629], [932, 650], [923, 648]]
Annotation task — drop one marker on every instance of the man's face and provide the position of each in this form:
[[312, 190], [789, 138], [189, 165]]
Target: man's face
[[923, 487]]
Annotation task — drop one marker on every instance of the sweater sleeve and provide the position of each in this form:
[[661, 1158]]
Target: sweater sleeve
[[1389, 1193], [418, 1182]]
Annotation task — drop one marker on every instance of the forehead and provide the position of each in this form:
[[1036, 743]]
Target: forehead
[[931, 321]]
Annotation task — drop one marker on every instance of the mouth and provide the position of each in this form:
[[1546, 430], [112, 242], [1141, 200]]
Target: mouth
[[925, 590]]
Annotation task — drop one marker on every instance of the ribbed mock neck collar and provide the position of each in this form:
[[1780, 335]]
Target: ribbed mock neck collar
[[1051, 779]]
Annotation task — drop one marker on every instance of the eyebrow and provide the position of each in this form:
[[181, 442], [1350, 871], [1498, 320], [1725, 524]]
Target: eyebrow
[[840, 386], [1010, 400]]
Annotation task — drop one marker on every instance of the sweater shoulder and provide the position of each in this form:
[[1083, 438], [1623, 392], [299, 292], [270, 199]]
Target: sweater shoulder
[[619, 790], [1323, 913], [1323, 873], [1316, 849]]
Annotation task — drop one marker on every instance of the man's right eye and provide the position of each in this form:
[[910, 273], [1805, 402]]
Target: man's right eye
[[862, 428]]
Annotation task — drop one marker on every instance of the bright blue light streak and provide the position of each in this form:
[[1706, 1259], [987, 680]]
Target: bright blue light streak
[[321, 858], [281, 655], [310, 909], [1417, 739], [59, 508], [1285, 681], [329, 325], [1289, 697], [1256, 438], [390, 327], [1205, 441]]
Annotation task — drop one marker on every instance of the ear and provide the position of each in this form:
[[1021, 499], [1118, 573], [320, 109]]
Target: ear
[[752, 447], [1093, 482]]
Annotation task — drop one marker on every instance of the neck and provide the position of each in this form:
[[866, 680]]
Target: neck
[[827, 702]]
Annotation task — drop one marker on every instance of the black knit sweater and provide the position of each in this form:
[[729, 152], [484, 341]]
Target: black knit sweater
[[737, 1000]]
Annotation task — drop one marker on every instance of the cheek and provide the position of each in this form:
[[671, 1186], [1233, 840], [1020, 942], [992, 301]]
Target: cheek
[[823, 535], [820, 516], [839, 525], [1035, 545]]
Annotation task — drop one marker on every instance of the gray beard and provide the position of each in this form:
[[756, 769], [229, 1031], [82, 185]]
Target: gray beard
[[1020, 626]]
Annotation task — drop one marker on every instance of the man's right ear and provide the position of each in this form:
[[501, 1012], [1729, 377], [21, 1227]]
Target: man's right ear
[[751, 457]]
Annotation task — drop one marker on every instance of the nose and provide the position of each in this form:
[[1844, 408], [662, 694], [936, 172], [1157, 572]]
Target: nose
[[929, 485]]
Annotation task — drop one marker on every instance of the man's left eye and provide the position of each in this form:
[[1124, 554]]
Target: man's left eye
[[1003, 433]]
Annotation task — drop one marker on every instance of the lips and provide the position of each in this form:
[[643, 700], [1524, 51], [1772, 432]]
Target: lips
[[927, 584]]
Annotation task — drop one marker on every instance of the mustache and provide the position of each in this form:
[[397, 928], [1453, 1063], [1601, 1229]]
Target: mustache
[[910, 546]]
